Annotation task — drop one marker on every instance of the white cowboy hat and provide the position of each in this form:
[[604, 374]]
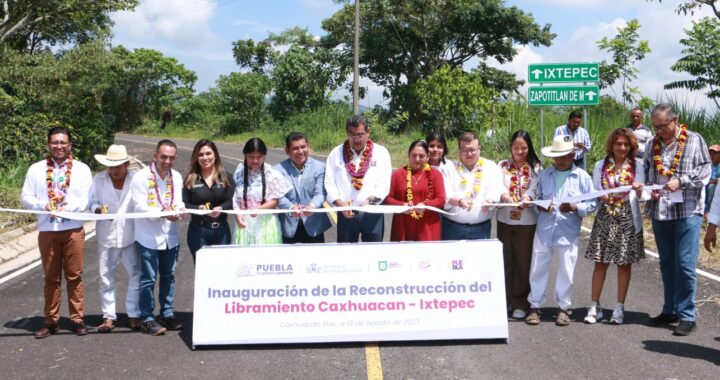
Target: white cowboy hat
[[116, 156], [561, 145]]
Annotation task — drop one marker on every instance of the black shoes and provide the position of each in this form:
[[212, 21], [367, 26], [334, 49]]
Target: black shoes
[[171, 323], [684, 328], [153, 328], [663, 319]]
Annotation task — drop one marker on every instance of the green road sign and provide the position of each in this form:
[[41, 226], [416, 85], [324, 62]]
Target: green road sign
[[564, 96], [563, 72]]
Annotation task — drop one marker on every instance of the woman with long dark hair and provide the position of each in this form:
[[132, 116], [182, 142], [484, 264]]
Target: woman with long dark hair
[[617, 232], [416, 184], [207, 187], [516, 225], [259, 187]]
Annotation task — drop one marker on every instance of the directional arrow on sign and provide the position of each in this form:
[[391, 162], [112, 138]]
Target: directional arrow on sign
[[591, 95], [537, 73]]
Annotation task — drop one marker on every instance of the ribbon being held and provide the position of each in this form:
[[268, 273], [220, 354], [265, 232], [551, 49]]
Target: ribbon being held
[[373, 209]]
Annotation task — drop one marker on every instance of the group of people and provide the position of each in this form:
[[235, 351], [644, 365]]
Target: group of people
[[473, 190]]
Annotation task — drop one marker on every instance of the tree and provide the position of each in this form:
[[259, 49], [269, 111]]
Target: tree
[[627, 50], [403, 42], [240, 98], [701, 59], [28, 24], [44, 90], [303, 76], [455, 100], [691, 5], [146, 82]]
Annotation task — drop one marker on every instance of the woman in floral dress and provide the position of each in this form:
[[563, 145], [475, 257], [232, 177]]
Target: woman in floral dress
[[258, 187]]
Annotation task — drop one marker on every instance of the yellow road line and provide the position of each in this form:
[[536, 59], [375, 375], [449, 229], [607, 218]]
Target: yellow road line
[[372, 358]]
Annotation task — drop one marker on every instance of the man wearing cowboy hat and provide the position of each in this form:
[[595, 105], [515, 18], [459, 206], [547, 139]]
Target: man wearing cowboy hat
[[59, 183], [558, 227], [110, 194]]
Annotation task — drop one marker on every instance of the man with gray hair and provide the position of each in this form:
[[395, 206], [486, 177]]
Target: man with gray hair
[[641, 131], [678, 159]]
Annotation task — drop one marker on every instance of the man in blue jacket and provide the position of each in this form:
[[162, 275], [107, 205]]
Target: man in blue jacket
[[307, 176]]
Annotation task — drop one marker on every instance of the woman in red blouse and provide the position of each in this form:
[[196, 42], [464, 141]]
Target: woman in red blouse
[[415, 185]]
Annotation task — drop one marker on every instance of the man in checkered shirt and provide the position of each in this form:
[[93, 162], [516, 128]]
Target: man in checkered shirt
[[677, 212]]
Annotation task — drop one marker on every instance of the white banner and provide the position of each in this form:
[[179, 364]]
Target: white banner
[[349, 292]]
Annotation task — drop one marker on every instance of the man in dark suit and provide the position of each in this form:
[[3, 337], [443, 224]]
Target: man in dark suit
[[307, 176]]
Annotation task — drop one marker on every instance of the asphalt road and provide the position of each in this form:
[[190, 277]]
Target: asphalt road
[[544, 351]]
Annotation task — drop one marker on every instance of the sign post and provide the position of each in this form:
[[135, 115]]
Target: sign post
[[565, 94], [563, 72]]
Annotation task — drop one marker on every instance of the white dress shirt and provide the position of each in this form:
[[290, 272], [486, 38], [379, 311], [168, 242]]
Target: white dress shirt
[[491, 187], [116, 233], [155, 233], [376, 182], [34, 195]]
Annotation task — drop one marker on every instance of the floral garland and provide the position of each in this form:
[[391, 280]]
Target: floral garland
[[678, 153], [56, 197], [363, 166], [609, 179], [518, 183], [428, 196], [153, 196], [477, 170]]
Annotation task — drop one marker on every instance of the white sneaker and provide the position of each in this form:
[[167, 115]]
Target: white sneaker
[[594, 314], [519, 314], [618, 315]]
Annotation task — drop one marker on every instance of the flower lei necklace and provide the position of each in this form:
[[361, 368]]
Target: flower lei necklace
[[357, 175], [611, 179], [153, 196], [477, 170], [518, 183], [678, 153], [428, 195], [63, 183]]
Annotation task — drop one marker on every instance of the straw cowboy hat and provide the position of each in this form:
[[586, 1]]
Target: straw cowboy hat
[[561, 146], [116, 156]]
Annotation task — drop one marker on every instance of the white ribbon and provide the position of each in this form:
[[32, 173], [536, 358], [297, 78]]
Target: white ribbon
[[372, 209]]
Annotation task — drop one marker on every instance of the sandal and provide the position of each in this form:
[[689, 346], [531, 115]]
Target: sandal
[[533, 317], [562, 319], [106, 326]]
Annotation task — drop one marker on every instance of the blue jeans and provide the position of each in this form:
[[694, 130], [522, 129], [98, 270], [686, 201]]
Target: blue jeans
[[458, 231], [678, 247], [156, 263], [370, 226], [199, 236], [709, 195]]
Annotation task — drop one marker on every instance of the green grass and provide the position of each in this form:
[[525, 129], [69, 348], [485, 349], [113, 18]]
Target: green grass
[[11, 182]]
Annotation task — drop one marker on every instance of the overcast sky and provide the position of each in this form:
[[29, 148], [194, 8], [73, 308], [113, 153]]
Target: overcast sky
[[199, 33]]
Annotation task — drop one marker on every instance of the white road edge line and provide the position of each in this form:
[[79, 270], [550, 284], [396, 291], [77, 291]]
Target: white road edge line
[[655, 255], [33, 265]]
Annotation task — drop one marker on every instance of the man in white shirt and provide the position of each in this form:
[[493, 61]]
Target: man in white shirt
[[158, 188], [358, 172], [476, 181], [110, 193], [642, 133], [59, 183]]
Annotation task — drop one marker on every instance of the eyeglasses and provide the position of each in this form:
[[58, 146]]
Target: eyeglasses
[[663, 125], [469, 152], [357, 136], [59, 143]]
